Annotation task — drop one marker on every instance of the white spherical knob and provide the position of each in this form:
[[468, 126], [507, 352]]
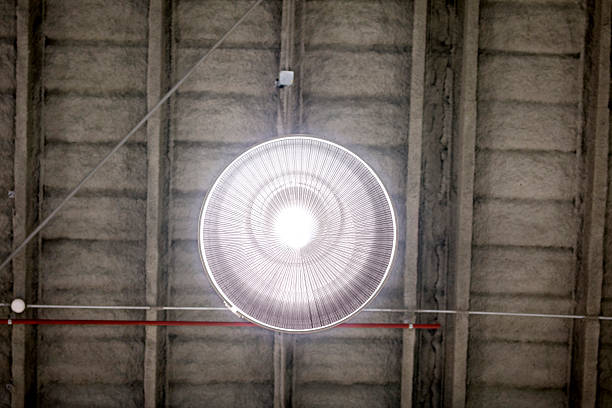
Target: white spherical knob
[[18, 305]]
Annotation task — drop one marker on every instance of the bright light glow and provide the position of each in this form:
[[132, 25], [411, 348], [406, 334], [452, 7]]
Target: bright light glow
[[297, 234], [294, 226]]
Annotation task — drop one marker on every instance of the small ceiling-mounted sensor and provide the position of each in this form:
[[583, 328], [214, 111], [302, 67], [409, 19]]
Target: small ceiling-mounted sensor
[[285, 78], [18, 305]]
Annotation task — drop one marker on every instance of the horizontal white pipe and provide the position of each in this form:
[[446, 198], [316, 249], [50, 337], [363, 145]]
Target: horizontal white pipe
[[475, 312], [88, 307], [558, 316], [373, 310]]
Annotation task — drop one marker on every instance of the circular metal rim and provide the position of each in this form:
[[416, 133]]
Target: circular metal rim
[[230, 305]]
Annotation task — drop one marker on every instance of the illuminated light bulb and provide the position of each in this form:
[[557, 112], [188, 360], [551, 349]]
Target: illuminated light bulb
[[297, 234], [294, 226]]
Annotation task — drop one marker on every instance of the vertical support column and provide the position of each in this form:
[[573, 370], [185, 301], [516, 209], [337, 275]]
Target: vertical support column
[[413, 190], [288, 121], [28, 100], [284, 346], [590, 248], [157, 203], [462, 198]]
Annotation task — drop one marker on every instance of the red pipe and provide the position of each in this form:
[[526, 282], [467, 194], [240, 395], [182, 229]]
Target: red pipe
[[198, 323]]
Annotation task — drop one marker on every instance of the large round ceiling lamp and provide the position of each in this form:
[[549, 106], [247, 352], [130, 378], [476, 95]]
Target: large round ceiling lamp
[[297, 234]]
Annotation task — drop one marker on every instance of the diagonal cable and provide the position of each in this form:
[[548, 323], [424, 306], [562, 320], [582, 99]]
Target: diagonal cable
[[126, 137]]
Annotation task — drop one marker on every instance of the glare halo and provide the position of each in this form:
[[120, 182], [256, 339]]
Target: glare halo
[[328, 279]]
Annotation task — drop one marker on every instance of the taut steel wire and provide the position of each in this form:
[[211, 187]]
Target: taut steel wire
[[297, 234], [144, 120]]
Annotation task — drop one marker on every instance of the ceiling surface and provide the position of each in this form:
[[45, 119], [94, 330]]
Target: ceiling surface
[[487, 121]]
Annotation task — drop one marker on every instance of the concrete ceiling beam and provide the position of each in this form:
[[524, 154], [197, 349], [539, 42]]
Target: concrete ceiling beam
[[28, 101], [462, 198], [413, 191], [592, 199], [158, 66]]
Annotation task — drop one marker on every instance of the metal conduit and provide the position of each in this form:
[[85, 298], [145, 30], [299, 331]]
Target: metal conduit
[[369, 310]]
